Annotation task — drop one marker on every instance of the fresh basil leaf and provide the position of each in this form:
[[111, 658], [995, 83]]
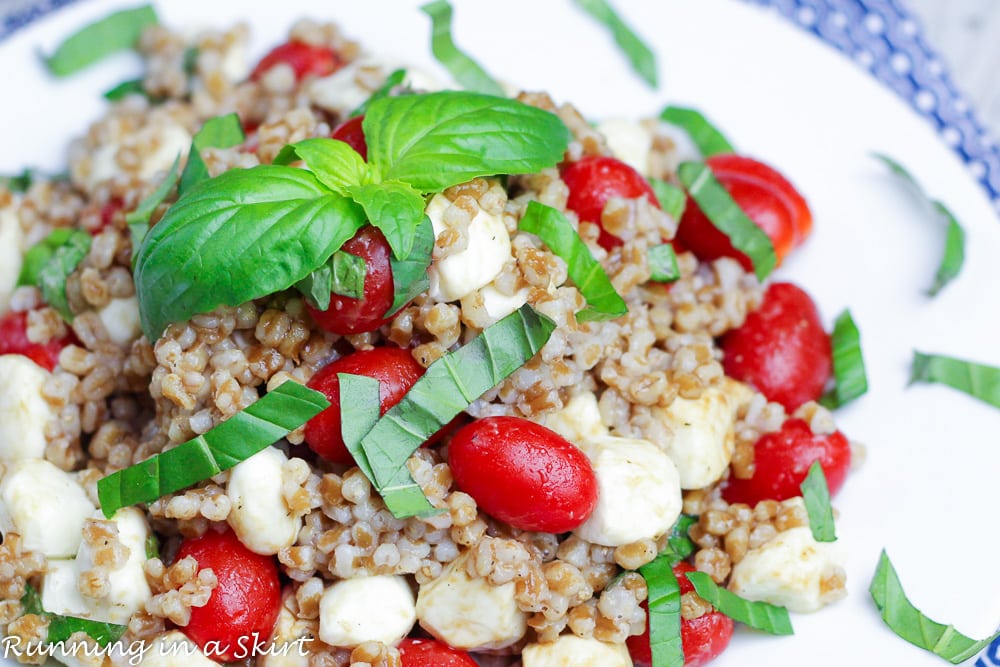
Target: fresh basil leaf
[[347, 275], [219, 132], [20, 182], [640, 56], [709, 140], [851, 380], [816, 495], [438, 140], [40, 254], [552, 227], [911, 624], [758, 615], [448, 387], [679, 544], [464, 69], [662, 262], [245, 234], [62, 627], [664, 612], [359, 411], [409, 275], [726, 215], [124, 89], [395, 208], [120, 31], [335, 164], [63, 261], [395, 79], [671, 198], [138, 220], [977, 380], [247, 432], [318, 286]]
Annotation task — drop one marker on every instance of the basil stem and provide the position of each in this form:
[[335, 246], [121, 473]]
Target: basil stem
[[640, 56], [53, 274], [247, 432], [664, 612], [464, 69], [851, 380], [394, 80], [671, 198], [138, 220], [219, 132], [62, 627], [816, 496], [39, 255], [120, 31], [662, 262], [409, 275], [977, 380], [709, 140], [758, 615]]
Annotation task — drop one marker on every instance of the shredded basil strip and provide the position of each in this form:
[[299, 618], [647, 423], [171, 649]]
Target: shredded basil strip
[[138, 220], [409, 275], [62, 627], [662, 262], [975, 379], [40, 254], [709, 140], [850, 378], [679, 543], [116, 32], [816, 495], [359, 411], [395, 79], [664, 612], [757, 615], [726, 215], [219, 132], [152, 546], [640, 56], [448, 387], [63, 261], [911, 624], [19, 182], [671, 198], [347, 275], [463, 68], [555, 231], [124, 89], [247, 432]]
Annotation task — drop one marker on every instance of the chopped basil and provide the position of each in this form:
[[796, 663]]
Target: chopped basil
[[358, 414], [758, 615], [124, 89], [20, 182], [909, 623], [395, 79], [709, 140], [409, 275], [728, 217], [664, 612], [662, 262], [552, 227], [816, 495], [247, 432], [638, 53], [395, 208], [671, 198], [190, 60], [679, 543], [152, 546], [977, 380], [344, 274], [39, 255], [116, 32], [57, 268], [62, 627], [464, 69], [138, 220], [850, 378], [219, 132]]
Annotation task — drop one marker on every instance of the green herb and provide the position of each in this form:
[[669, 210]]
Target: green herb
[[117, 32], [40, 254], [358, 415], [395, 79], [954, 247], [671, 198], [138, 220], [395, 208], [758, 615], [247, 432], [726, 215], [910, 623], [641, 56], [20, 182], [552, 227], [344, 274], [816, 495], [152, 546], [409, 275], [679, 544], [58, 267], [466, 71], [662, 262], [190, 60], [851, 380], [124, 89], [62, 627], [664, 612], [219, 132], [703, 133], [333, 162], [977, 380]]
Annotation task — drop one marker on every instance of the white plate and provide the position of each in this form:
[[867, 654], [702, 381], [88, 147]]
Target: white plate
[[927, 492]]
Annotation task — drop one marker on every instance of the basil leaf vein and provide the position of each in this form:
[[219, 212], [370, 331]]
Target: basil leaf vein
[[53, 274], [62, 627], [709, 140], [816, 495], [975, 379], [758, 615], [850, 377], [463, 68], [664, 612], [119, 31], [219, 132], [409, 275], [395, 208], [640, 56]]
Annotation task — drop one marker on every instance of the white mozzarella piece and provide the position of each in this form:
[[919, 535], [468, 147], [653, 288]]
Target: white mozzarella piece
[[11, 258], [260, 516], [102, 164], [121, 319], [489, 305], [174, 649], [345, 90], [572, 651], [355, 611], [579, 421], [127, 587], [234, 63], [23, 410], [789, 570], [60, 594], [462, 273], [470, 613], [172, 140], [46, 506], [629, 141]]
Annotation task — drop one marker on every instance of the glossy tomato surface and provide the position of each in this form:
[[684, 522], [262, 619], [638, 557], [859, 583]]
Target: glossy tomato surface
[[432, 653], [304, 59], [352, 134], [14, 340], [593, 180]]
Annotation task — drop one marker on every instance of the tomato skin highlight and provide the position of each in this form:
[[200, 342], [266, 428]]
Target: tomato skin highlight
[[782, 348], [782, 460], [593, 180], [432, 653], [524, 474], [246, 601], [14, 340], [352, 134], [394, 368], [304, 59]]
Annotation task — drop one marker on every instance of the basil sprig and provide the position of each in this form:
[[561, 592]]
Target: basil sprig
[[816, 495], [52, 274], [119, 31], [219, 132], [664, 603], [850, 378], [977, 380], [552, 227], [709, 140], [62, 627], [671, 198], [758, 615], [462, 67], [639, 55], [911, 624], [247, 432]]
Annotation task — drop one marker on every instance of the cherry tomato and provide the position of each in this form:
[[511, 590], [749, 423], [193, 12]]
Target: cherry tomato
[[523, 473], [431, 653], [702, 638], [593, 180], [394, 368], [246, 600], [304, 59], [108, 212], [347, 315], [14, 340], [764, 195], [782, 348], [352, 134], [782, 459]]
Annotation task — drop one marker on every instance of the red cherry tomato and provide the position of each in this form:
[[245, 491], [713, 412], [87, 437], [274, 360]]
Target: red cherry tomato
[[702, 638], [593, 180], [782, 348], [394, 368], [523, 473], [782, 459], [352, 134], [14, 340], [108, 212], [764, 195], [431, 653], [347, 315], [243, 607], [304, 59]]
